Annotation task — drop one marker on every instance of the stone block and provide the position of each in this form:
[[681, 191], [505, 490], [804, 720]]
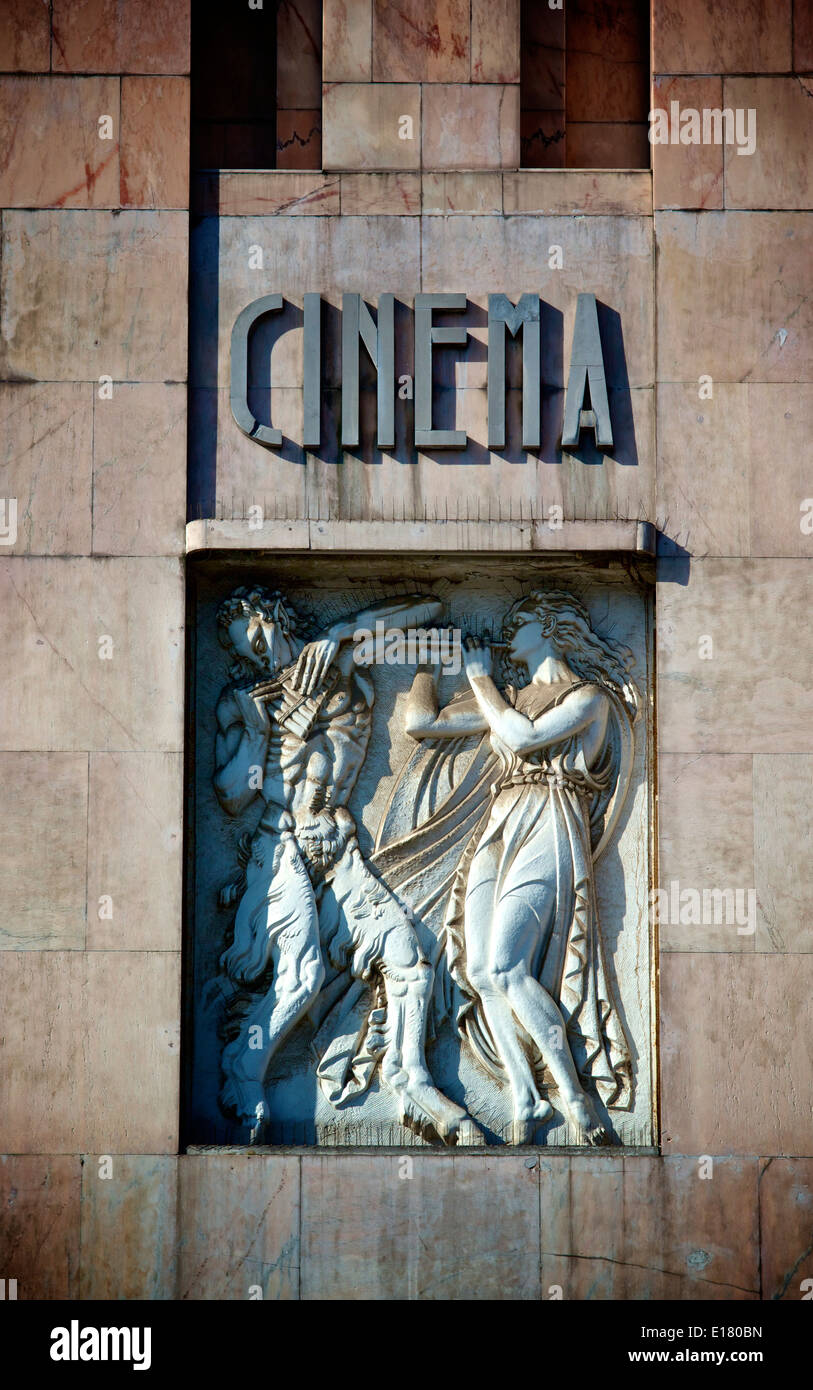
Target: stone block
[[803, 36], [25, 36], [441, 1228], [299, 54], [45, 463], [59, 692], [748, 691], [129, 1237], [374, 195], [144, 36], [598, 87], [542, 139], [239, 1216], [361, 124], [735, 1064], [783, 845], [648, 1228], [706, 843], [613, 255], [39, 1225], [155, 142], [786, 1227], [777, 433], [347, 44], [779, 172], [43, 892], [495, 46], [299, 139], [134, 832], [139, 471], [470, 127], [421, 41], [86, 294], [712, 515], [613, 193], [607, 145], [232, 473], [733, 296], [461, 192], [53, 153], [92, 1048], [270, 192], [687, 176], [703, 36]]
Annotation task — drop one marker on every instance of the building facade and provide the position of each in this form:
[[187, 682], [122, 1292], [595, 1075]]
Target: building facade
[[338, 313]]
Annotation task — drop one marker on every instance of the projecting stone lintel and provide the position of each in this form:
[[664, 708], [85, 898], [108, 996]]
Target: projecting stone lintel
[[634, 537]]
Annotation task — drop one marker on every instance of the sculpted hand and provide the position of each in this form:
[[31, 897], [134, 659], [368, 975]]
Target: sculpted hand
[[253, 711], [314, 663], [477, 658]]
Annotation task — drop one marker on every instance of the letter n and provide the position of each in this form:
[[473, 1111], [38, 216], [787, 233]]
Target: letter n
[[503, 314], [587, 374], [379, 340]]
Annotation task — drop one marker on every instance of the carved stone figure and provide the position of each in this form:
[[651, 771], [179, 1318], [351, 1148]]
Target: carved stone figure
[[315, 928], [497, 847]]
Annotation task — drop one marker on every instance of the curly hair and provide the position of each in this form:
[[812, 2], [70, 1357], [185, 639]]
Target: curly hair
[[594, 658], [271, 606]]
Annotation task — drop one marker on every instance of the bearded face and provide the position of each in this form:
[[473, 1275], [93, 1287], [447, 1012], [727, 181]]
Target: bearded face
[[260, 643]]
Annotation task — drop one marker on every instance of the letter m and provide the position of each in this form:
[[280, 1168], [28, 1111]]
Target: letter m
[[503, 314]]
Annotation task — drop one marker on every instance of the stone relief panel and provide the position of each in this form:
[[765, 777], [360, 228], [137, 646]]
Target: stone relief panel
[[420, 849]]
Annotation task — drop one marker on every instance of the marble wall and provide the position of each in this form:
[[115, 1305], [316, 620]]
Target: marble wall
[[704, 262]]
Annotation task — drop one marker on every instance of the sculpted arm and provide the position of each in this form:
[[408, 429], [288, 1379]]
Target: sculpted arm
[[241, 743], [411, 611], [524, 736], [424, 720]]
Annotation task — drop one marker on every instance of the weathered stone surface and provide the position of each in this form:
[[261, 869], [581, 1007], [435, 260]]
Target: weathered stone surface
[[84, 1071], [607, 145], [238, 474], [624, 193], [648, 1228], [134, 830], [143, 36], [598, 87], [51, 153], [129, 1235], [243, 194], [786, 1227], [495, 35], [421, 41], [688, 176], [360, 124], [803, 36], [25, 36], [139, 471], [779, 173], [783, 844], [700, 36], [299, 54], [240, 1219], [712, 515], [706, 842], [86, 294], [777, 430], [299, 139], [347, 40], [613, 255], [39, 1224], [441, 1228], [735, 1056], [462, 192], [753, 694], [542, 139], [733, 296], [366, 195], [45, 463], [470, 127], [57, 691], [155, 142], [43, 894]]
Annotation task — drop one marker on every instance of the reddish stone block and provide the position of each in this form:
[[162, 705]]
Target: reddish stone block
[[347, 40], [803, 35], [299, 139], [25, 36], [605, 145], [542, 139], [421, 41], [705, 36], [155, 142], [470, 127], [39, 1224], [52, 153], [143, 36], [299, 54], [687, 176], [495, 48], [779, 171], [786, 1227]]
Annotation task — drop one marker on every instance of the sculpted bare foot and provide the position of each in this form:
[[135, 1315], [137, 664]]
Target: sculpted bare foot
[[526, 1120], [584, 1118]]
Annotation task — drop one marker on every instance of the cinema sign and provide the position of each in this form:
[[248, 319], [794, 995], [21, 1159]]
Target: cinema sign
[[586, 402]]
